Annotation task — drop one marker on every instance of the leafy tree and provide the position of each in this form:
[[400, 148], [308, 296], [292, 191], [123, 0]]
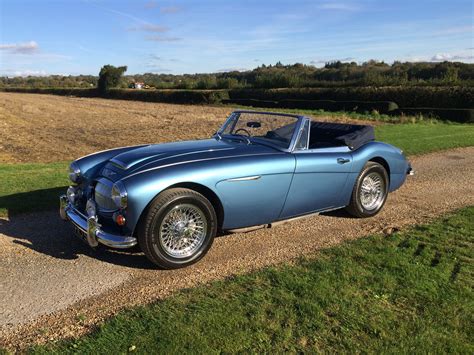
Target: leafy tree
[[109, 77], [333, 74]]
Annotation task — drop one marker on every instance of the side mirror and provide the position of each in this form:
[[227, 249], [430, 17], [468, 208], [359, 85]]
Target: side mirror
[[254, 124]]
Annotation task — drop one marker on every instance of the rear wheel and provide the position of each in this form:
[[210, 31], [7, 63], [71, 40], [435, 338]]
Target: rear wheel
[[370, 191], [178, 229]]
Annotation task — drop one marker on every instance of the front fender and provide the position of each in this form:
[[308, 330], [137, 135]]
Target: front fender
[[143, 187]]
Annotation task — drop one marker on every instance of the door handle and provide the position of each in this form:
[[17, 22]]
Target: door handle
[[343, 160]]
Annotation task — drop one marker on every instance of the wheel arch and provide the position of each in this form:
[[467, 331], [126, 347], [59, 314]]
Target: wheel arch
[[203, 190], [207, 193], [382, 162]]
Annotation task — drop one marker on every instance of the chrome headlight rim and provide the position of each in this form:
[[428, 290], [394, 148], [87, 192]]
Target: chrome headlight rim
[[119, 195], [74, 172], [73, 194]]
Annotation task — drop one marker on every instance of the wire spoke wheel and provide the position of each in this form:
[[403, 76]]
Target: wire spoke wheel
[[372, 191], [183, 230]]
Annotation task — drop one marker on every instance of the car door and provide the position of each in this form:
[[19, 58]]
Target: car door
[[254, 189], [319, 180]]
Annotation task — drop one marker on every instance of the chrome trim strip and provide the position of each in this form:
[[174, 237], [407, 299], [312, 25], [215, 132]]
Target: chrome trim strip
[[92, 231], [246, 178], [281, 221]]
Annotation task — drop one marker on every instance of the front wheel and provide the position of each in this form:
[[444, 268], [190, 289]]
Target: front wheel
[[178, 229], [370, 191]]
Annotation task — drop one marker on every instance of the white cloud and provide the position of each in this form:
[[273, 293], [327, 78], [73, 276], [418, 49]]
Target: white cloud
[[226, 70], [160, 70], [24, 73], [324, 61], [21, 48], [458, 56], [441, 57]]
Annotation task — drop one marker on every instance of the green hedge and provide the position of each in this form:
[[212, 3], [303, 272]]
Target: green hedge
[[55, 91], [449, 114], [330, 105], [327, 105], [438, 97], [433, 97], [168, 96], [447, 103], [252, 102]]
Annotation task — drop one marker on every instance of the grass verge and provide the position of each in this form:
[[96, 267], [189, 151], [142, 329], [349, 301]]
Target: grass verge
[[34, 187], [31, 187], [411, 291]]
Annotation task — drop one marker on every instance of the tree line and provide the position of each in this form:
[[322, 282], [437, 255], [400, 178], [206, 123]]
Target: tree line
[[333, 74]]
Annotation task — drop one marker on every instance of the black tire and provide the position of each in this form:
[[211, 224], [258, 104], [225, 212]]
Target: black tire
[[356, 206], [149, 229]]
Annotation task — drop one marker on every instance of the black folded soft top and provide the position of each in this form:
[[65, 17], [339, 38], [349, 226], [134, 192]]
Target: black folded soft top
[[325, 134]]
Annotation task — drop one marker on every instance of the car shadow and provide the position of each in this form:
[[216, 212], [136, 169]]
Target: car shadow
[[45, 232], [340, 213]]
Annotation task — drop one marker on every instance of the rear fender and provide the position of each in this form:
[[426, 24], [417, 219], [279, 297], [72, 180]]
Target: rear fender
[[373, 151]]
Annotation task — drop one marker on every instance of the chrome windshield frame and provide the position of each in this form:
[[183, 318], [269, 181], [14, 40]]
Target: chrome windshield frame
[[296, 133]]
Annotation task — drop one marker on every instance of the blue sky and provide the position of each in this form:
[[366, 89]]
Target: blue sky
[[79, 36]]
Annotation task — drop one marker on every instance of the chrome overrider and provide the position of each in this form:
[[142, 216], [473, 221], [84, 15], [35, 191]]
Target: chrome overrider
[[90, 229]]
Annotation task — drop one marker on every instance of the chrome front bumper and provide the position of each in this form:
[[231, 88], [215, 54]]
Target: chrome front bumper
[[90, 230]]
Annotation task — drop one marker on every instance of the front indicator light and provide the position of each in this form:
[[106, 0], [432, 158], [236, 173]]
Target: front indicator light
[[120, 220]]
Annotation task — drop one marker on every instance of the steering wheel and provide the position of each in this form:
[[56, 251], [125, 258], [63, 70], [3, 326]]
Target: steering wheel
[[244, 130]]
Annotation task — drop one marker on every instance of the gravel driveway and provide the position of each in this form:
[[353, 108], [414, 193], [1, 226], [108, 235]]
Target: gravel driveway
[[54, 286]]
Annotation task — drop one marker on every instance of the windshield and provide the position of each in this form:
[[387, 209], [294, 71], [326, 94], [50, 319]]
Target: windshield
[[275, 129]]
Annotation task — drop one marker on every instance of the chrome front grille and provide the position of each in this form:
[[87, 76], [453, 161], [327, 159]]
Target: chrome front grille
[[102, 195]]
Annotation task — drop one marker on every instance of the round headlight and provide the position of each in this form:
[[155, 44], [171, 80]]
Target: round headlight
[[74, 172], [119, 195]]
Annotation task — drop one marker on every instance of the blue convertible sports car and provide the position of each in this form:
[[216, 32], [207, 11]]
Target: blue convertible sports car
[[258, 169]]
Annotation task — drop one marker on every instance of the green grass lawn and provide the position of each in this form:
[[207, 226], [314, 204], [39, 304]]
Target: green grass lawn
[[408, 292], [420, 138], [33, 187]]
